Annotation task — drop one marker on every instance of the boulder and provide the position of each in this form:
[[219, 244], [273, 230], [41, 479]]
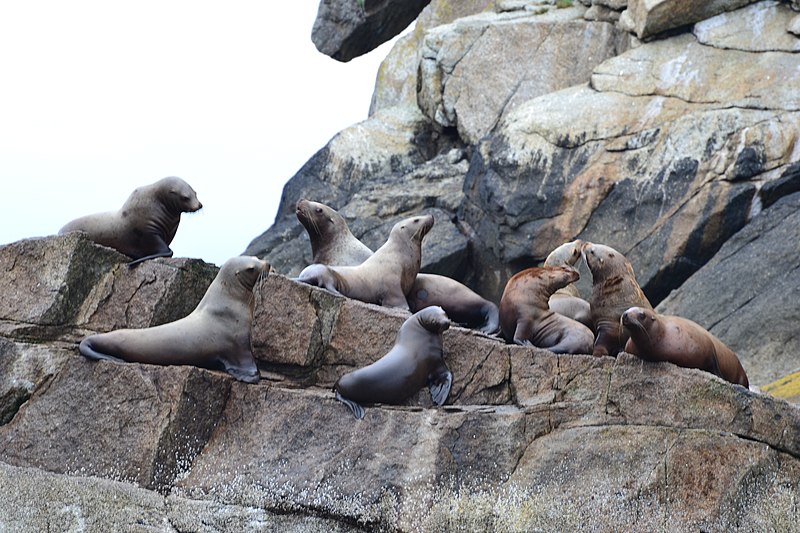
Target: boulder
[[756, 319], [647, 18], [345, 29], [530, 55]]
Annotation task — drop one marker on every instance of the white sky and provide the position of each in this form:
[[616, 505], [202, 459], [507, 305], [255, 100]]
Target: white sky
[[99, 97]]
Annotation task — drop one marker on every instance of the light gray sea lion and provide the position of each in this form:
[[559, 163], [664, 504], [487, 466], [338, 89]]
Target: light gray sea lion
[[655, 337], [147, 222], [566, 300], [415, 360], [332, 243], [526, 319], [614, 290], [215, 335], [386, 276]]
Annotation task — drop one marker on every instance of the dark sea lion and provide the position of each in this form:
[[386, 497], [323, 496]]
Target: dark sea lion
[[415, 360], [614, 290], [215, 335], [567, 301], [526, 319], [146, 224], [386, 276], [333, 244], [655, 337]]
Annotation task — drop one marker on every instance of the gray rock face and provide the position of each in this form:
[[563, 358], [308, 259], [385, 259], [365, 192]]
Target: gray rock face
[[759, 318], [647, 18], [527, 439], [345, 29]]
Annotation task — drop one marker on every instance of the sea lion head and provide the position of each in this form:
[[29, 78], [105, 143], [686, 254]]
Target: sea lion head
[[566, 254], [317, 218], [602, 259], [178, 195], [639, 323], [413, 228], [434, 319], [246, 270]]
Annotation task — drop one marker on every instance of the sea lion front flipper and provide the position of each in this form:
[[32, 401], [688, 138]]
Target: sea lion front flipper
[[87, 350], [440, 387], [246, 372], [145, 258], [492, 323], [357, 410]]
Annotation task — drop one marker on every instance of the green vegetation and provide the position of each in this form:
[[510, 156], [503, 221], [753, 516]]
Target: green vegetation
[[560, 3]]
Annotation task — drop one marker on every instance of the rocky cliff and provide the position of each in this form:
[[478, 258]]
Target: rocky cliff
[[664, 129]]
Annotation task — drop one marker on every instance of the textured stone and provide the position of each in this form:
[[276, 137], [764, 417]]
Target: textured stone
[[650, 17], [344, 29], [758, 318], [759, 27], [529, 55]]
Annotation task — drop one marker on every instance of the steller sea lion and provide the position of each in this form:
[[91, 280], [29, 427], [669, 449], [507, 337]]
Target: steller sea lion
[[614, 289], [566, 300], [386, 276], [415, 360], [215, 335], [526, 319], [145, 225], [655, 337]]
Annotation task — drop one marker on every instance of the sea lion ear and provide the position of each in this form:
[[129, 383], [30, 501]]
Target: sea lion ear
[[355, 408], [440, 387]]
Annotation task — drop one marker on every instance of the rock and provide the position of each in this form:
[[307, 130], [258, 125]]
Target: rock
[[345, 29], [759, 27], [757, 319], [396, 84], [452, 54], [651, 17]]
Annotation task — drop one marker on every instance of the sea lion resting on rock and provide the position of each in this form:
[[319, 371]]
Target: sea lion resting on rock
[[566, 300], [614, 290], [655, 337], [333, 244], [526, 319], [146, 224], [415, 360], [215, 335], [386, 276]]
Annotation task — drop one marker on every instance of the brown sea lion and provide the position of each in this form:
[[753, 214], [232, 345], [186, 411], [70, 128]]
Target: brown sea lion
[[526, 319], [215, 335], [415, 360], [655, 337], [386, 276], [333, 244], [614, 290], [146, 224], [566, 300]]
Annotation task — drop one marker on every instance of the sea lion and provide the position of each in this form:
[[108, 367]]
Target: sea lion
[[146, 224], [333, 244], [655, 337], [526, 319], [386, 276], [415, 360], [566, 300], [614, 289], [215, 335]]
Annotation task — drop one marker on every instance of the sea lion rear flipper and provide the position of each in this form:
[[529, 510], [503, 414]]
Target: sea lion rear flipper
[[440, 387], [357, 410]]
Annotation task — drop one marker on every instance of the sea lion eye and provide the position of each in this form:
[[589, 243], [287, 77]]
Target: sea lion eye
[[319, 210]]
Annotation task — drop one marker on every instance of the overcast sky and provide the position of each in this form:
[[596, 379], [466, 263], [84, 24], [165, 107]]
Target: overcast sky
[[99, 97]]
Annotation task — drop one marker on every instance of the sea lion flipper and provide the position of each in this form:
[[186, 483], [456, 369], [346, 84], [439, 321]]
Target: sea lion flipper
[[492, 323], [153, 256], [440, 387], [356, 409], [86, 349]]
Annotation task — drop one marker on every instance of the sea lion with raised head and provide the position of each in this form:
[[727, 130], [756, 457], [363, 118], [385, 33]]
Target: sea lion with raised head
[[655, 337], [145, 225], [386, 276], [333, 244], [526, 318], [415, 360], [566, 300], [215, 335], [614, 290]]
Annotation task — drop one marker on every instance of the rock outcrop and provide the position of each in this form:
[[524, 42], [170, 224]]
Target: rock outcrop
[[527, 440]]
